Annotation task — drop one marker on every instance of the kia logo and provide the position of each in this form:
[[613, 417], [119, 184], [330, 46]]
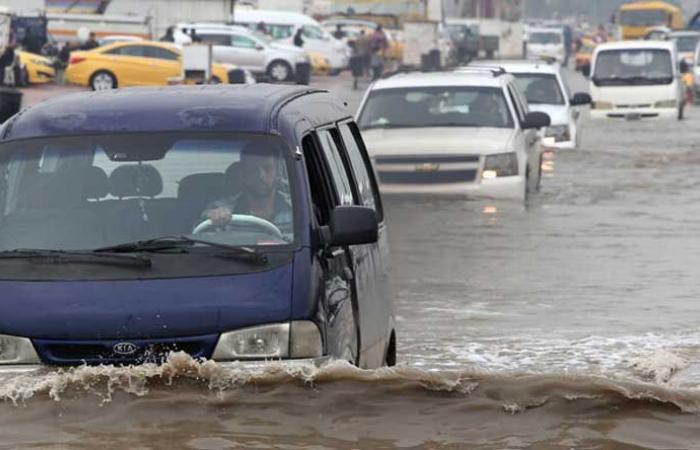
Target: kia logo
[[124, 348]]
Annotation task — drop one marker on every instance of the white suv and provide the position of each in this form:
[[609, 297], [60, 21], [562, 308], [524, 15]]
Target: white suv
[[238, 45], [546, 90], [468, 132]]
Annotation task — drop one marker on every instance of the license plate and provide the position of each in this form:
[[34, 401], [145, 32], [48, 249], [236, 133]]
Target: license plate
[[633, 116]]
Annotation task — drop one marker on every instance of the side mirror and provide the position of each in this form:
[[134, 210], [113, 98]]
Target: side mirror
[[683, 66], [353, 225], [536, 120], [581, 98], [259, 48]]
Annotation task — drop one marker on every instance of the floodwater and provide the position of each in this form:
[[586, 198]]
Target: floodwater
[[571, 322]]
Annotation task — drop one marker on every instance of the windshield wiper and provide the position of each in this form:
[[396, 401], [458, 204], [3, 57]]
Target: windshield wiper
[[165, 243], [75, 256]]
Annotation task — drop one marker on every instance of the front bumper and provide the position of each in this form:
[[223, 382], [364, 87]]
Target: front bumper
[[634, 114], [29, 369], [505, 188]]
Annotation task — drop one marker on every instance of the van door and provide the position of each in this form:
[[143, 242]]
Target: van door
[[371, 262], [329, 188]]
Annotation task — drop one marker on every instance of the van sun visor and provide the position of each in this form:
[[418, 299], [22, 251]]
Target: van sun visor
[[136, 147]]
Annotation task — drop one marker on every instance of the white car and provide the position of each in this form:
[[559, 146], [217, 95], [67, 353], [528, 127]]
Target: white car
[[637, 80], [282, 26], [237, 45], [468, 132], [545, 88], [546, 43]]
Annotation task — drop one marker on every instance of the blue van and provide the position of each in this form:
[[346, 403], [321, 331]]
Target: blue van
[[231, 223]]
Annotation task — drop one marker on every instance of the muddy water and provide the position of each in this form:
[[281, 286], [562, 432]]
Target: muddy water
[[571, 322]]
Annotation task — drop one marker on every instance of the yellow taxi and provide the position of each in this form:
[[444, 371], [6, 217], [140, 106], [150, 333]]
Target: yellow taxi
[[36, 69], [139, 63]]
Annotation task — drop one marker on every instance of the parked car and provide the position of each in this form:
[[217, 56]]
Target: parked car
[[238, 46], [35, 69], [283, 26], [141, 63], [111, 253], [636, 80], [545, 88], [464, 132]]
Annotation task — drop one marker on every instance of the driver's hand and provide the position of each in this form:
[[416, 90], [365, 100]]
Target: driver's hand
[[219, 216]]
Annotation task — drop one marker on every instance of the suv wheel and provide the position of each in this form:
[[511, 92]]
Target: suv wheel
[[103, 81], [279, 71]]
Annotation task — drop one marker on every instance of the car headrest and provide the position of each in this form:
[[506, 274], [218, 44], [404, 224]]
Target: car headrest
[[138, 180], [201, 187], [66, 187]]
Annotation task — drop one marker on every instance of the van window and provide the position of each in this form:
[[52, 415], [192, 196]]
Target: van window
[[633, 67], [322, 198], [242, 42], [360, 168], [313, 32], [341, 180], [215, 39]]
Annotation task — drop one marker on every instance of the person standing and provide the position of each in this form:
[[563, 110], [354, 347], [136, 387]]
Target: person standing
[[363, 51], [379, 44], [568, 42], [169, 35], [91, 42], [298, 39]]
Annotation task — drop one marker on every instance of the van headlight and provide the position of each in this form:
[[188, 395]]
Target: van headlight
[[17, 350], [500, 165], [665, 104], [560, 133], [298, 339]]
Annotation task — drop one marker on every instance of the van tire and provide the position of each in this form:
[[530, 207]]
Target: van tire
[[103, 80], [279, 71]]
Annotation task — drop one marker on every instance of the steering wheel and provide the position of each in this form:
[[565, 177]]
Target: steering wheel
[[243, 220]]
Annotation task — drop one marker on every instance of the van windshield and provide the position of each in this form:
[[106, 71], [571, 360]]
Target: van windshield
[[643, 17], [438, 106], [544, 38], [83, 193], [633, 67]]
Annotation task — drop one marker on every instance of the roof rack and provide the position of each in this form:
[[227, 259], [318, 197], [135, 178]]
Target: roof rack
[[409, 69], [495, 71]]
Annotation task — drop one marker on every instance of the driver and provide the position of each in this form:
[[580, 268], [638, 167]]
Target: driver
[[260, 195]]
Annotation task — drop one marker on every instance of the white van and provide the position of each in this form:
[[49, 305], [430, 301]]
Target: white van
[[283, 26], [637, 80], [546, 43]]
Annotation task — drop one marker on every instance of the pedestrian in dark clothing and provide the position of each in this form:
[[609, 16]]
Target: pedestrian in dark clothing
[[568, 42], [169, 35], [6, 60], [298, 40], [90, 43], [339, 33], [261, 28]]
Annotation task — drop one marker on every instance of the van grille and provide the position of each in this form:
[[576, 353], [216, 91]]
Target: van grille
[[103, 352]]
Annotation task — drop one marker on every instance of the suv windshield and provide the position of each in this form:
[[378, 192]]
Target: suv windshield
[[444, 106], [633, 67], [540, 88], [647, 17], [544, 38], [87, 192]]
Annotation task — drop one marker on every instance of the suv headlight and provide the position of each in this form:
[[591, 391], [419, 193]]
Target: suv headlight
[[665, 104], [500, 165], [560, 133], [299, 339], [17, 350]]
